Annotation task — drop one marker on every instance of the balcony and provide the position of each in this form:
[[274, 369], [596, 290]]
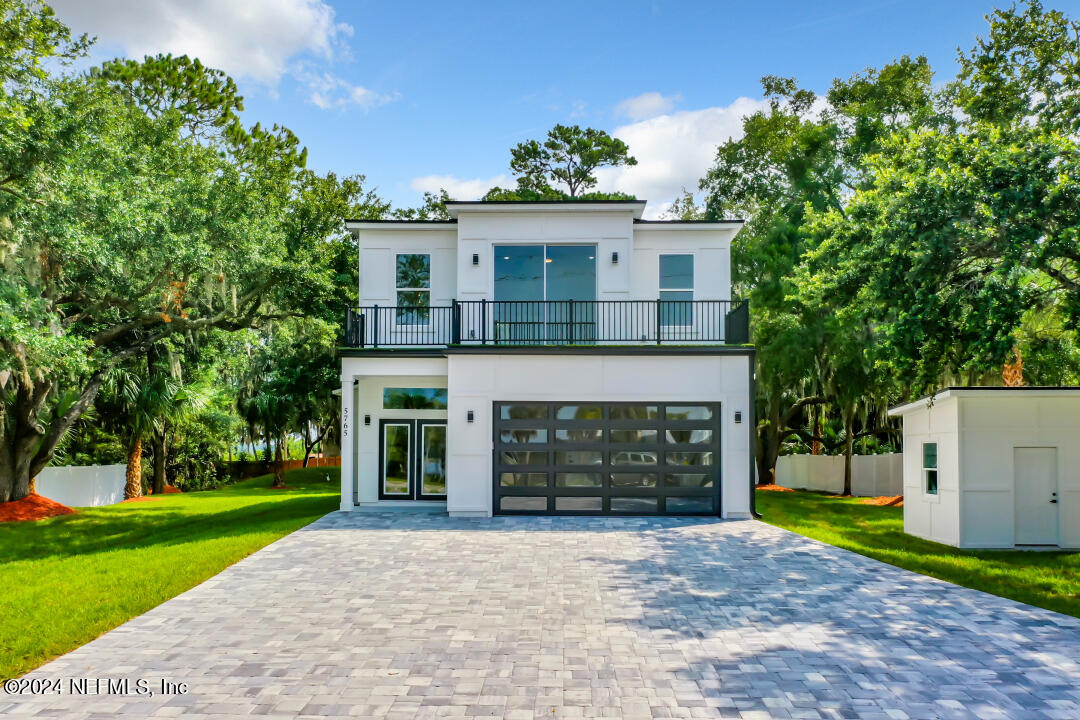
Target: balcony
[[550, 322]]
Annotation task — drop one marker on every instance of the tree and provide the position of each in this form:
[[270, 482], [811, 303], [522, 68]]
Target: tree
[[570, 156], [131, 231], [433, 208]]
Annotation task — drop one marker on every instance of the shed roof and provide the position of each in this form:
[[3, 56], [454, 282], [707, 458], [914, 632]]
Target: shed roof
[[985, 391]]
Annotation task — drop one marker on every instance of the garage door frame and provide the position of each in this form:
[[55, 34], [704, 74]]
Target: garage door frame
[[662, 491]]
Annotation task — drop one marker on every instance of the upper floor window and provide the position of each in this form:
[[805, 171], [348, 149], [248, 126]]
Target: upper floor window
[[676, 290], [413, 286]]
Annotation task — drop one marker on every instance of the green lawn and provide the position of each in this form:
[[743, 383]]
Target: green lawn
[[1047, 579], [68, 579]]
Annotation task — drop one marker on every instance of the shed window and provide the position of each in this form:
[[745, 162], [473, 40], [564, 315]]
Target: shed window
[[413, 287], [930, 468]]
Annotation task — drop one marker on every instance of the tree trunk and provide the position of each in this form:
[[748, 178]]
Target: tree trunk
[[767, 448], [133, 476], [849, 443], [279, 466], [159, 463], [815, 446], [308, 445]]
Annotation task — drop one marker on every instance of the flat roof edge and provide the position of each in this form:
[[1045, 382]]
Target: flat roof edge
[[962, 390]]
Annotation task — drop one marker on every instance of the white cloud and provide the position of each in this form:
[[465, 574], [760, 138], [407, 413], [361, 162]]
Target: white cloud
[[646, 105], [328, 91], [255, 40], [460, 188], [674, 151]]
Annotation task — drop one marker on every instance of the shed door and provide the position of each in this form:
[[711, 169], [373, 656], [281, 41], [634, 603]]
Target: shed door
[[1035, 495], [582, 458]]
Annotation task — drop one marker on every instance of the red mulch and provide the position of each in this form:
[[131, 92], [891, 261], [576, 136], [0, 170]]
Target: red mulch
[[32, 507], [885, 500], [774, 487], [170, 489]]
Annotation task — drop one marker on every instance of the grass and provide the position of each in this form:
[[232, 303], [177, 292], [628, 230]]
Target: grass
[[1049, 580], [68, 579]]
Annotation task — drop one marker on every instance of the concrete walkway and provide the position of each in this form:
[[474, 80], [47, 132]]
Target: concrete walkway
[[421, 616]]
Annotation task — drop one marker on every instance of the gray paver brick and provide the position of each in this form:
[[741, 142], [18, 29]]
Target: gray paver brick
[[422, 616]]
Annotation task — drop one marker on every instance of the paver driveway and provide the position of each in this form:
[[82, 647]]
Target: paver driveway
[[409, 616]]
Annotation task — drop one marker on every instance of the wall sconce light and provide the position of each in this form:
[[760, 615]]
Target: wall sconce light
[[367, 419], [476, 258], [469, 416], [614, 258], [738, 417]]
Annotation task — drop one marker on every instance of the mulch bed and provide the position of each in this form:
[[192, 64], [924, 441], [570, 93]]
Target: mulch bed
[[32, 507], [773, 487], [170, 490], [885, 500]]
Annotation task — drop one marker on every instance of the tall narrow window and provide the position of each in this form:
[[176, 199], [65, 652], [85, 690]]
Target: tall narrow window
[[413, 286], [676, 290], [930, 469]]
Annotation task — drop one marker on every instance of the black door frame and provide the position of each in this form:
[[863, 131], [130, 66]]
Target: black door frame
[[414, 466]]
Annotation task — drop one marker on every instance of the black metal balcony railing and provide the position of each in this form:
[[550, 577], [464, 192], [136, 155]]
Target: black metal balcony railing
[[550, 322]]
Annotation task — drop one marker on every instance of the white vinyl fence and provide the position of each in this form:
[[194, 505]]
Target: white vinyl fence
[[871, 475], [85, 486]]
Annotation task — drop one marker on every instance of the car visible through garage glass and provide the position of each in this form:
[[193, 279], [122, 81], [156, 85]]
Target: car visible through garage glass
[[633, 479], [516, 436], [523, 412], [688, 412], [633, 457], [634, 504], [579, 412], [524, 458]]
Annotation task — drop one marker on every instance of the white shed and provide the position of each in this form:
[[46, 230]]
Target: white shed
[[993, 467]]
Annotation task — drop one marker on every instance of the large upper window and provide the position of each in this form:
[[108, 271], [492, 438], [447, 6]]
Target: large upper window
[[930, 469], [676, 290], [413, 287]]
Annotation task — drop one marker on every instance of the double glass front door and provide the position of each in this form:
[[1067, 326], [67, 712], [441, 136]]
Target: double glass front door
[[412, 460], [528, 275]]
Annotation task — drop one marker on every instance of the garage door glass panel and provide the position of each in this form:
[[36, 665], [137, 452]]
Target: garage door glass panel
[[690, 437], [634, 412], [633, 479], [689, 504], [689, 458], [634, 504], [516, 436], [579, 457], [633, 436], [524, 503], [526, 479], [577, 479], [579, 412], [523, 412], [688, 480], [524, 458], [576, 435], [689, 412], [631, 457], [581, 504]]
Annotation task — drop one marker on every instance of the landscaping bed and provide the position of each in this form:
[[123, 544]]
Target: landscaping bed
[[1046, 579]]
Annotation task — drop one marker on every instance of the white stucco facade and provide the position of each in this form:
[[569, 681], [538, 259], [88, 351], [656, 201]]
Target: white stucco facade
[[1008, 466], [630, 359]]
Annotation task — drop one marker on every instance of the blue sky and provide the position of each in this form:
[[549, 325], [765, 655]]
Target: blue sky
[[416, 95]]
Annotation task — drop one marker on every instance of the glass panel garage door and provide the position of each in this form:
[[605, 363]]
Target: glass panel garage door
[[647, 458]]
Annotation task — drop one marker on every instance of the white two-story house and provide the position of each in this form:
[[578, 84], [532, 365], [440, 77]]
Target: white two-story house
[[547, 358]]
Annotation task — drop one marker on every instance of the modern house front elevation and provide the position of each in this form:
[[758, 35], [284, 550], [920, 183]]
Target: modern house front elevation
[[547, 358]]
